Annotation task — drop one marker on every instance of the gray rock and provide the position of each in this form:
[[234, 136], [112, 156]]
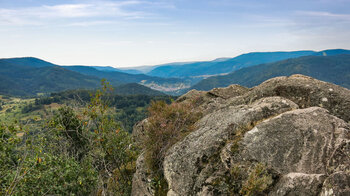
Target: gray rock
[[138, 132], [302, 140], [304, 91], [337, 184], [296, 126], [186, 159], [295, 184], [141, 184], [203, 101], [229, 92], [191, 95]]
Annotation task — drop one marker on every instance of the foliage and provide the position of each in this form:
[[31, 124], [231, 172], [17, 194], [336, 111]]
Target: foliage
[[29, 168], [111, 148], [31, 107], [166, 125], [258, 181], [130, 109], [78, 152]]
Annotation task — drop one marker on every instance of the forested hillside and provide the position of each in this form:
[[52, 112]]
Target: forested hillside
[[227, 65], [23, 80], [335, 69]]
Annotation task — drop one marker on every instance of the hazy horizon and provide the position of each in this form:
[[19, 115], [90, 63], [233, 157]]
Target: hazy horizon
[[199, 60], [133, 33]]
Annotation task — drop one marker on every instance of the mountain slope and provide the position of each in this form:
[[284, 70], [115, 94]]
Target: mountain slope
[[27, 61], [227, 65], [335, 69], [29, 76], [135, 89], [24, 80], [219, 66]]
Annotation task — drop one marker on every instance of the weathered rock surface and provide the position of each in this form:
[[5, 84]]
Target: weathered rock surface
[[301, 141], [141, 184], [186, 159], [337, 184], [304, 91], [139, 131], [295, 184], [229, 92], [287, 136]]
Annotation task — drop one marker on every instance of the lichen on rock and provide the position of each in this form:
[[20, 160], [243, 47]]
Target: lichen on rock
[[287, 136]]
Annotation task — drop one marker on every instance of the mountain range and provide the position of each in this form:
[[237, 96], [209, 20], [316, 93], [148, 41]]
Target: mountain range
[[227, 65], [29, 76], [334, 69]]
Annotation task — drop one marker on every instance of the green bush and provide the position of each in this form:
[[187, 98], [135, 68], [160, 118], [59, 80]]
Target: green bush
[[258, 181], [167, 124], [75, 153], [27, 167]]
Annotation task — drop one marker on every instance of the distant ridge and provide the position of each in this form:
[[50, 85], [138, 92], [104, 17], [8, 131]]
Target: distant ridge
[[335, 69], [227, 65], [29, 76], [25, 76], [111, 69]]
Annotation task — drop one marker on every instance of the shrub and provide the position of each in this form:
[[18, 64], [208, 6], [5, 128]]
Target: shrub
[[68, 126], [94, 135], [167, 124], [28, 167], [258, 181], [76, 153]]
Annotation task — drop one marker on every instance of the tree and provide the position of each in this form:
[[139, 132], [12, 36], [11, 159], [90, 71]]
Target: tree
[[78, 152]]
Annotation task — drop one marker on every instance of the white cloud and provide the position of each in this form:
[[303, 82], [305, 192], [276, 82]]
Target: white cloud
[[67, 10], [91, 23], [325, 14], [43, 14]]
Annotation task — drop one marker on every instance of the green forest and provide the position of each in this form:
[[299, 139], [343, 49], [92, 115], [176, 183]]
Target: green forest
[[75, 142]]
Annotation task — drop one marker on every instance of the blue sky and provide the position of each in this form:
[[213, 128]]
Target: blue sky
[[146, 32]]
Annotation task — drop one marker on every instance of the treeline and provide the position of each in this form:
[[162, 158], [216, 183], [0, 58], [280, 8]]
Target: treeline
[[129, 109]]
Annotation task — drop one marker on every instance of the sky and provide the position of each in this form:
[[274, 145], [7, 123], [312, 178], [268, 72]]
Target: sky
[[124, 33]]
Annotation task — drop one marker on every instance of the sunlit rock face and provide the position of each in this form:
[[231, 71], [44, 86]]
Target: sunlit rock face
[[287, 136]]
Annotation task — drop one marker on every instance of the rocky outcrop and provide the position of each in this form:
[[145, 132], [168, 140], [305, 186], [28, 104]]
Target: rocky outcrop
[[303, 141], [304, 91], [287, 136], [187, 160]]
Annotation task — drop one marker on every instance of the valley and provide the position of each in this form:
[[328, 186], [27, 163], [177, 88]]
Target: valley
[[30, 76], [99, 124]]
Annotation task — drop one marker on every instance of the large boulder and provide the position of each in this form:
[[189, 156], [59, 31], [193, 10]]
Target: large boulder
[[287, 136], [185, 161], [304, 91], [302, 141]]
